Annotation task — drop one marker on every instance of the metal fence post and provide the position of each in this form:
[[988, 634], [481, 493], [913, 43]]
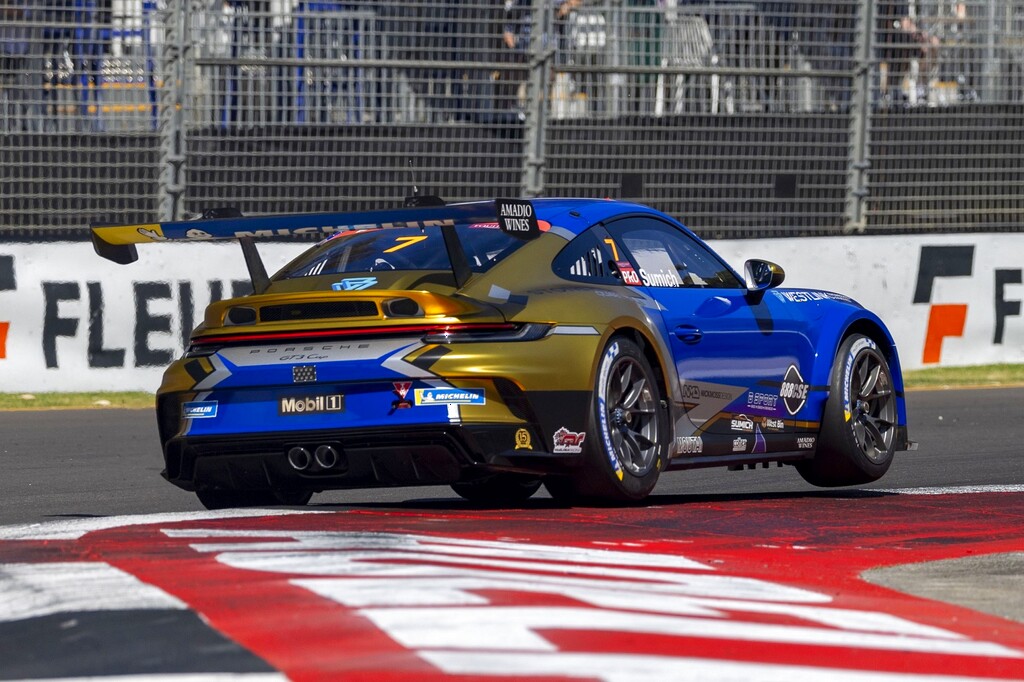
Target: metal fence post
[[541, 53], [859, 161], [171, 83]]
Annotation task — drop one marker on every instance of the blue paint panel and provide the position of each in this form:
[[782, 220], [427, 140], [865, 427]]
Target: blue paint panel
[[256, 410]]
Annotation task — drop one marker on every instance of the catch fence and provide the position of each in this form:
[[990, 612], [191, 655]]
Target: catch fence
[[741, 118]]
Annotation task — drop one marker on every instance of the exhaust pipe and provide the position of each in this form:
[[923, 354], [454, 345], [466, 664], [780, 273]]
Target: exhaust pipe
[[299, 458], [326, 456]]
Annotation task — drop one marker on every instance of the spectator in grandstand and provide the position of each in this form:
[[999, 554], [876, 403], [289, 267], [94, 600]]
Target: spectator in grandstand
[[829, 42], [902, 43], [16, 86], [517, 32]]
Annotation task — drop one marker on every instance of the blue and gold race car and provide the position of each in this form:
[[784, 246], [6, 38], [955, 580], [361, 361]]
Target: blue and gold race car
[[588, 345]]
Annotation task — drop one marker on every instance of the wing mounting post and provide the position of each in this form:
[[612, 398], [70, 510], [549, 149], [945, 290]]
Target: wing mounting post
[[456, 255], [253, 262]]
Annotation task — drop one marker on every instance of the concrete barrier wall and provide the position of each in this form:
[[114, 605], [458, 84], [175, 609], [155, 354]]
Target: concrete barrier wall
[[71, 321]]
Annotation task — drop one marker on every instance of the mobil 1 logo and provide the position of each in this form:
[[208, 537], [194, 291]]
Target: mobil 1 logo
[[517, 218]]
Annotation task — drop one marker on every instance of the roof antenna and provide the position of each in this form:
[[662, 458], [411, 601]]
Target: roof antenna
[[417, 201]]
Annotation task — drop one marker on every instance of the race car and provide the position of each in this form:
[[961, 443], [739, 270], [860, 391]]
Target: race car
[[495, 346]]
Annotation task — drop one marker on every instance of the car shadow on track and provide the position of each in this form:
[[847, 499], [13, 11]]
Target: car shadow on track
[[546, 503]]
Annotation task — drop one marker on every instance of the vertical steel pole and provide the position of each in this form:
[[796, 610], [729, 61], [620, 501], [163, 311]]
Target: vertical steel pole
[[542, 49], [173, 19], [859, 161]]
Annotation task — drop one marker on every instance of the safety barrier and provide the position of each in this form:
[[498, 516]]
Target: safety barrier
[[746, 118]]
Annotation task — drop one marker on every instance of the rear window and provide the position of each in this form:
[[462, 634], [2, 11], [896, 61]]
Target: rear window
[[402, 249]]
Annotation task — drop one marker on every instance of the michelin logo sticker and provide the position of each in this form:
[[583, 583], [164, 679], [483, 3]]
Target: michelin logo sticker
[[199, 409], [450, 396]]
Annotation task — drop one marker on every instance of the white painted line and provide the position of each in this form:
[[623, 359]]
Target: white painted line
[[953, 490], [35, 590], [628, 668], [512, 628], [75, 528]]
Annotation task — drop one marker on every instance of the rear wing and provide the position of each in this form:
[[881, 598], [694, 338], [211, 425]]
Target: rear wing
[[118, 243]]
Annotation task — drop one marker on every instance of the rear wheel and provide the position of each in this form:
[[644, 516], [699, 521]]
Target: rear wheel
[[628, 430], [859, 424], [499, 489]]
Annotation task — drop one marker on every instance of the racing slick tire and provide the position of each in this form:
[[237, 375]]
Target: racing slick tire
[[628, 431], [858, 427], [499, 489]]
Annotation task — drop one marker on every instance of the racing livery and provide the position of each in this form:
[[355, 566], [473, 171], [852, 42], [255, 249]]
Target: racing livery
[[494, 346]]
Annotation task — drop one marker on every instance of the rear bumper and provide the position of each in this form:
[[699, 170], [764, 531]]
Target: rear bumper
[[408, 456]]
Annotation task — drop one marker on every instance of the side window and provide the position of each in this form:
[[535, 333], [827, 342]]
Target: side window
[[665, 256], [586, 259]]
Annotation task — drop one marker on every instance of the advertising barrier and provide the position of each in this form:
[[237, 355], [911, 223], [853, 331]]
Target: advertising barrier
[[71, 321]]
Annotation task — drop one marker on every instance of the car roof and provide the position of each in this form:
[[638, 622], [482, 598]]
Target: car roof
[[577, 214]]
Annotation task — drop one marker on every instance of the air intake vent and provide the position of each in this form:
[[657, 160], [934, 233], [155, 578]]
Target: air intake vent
[[318, 311]]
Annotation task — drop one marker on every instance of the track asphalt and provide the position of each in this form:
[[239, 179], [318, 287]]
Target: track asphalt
[[720, 576]]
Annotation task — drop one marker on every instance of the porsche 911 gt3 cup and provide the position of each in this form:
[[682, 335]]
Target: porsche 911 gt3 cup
[[587, 345]]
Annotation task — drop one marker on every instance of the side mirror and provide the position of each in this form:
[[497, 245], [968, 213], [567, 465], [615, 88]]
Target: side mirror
[[760, 275]]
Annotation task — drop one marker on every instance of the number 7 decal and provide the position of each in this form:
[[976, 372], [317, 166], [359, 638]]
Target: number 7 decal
[[615, 250], [404, 242]]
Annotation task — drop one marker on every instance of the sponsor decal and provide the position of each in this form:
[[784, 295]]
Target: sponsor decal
[[200, 409], [689, 445], [606, 436], [762, 401], [517, 218], [773, 424], [805, 442], [8, 282], [946, 319], [401, 389], [354, 284], [629, 276], [694, 392], [739, 445], [523, 441], [567, 441], [810, 296], [317, 404], [450, 396], [156, 236], [743, 423], [660, 278], [760, 445], [794, 391]]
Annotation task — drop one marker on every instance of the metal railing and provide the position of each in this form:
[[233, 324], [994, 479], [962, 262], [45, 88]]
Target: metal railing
[[742, 118]]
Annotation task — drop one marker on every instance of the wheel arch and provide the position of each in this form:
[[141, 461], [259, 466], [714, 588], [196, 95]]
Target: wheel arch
[[647, 347], [875, 329]]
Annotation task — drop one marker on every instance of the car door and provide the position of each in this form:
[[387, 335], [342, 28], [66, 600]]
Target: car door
[[737, 354]]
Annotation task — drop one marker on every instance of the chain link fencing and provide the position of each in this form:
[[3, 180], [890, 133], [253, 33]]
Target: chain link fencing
[[741, 118]]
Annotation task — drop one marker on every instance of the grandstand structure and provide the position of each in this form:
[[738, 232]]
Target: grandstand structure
[[741, 118]]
